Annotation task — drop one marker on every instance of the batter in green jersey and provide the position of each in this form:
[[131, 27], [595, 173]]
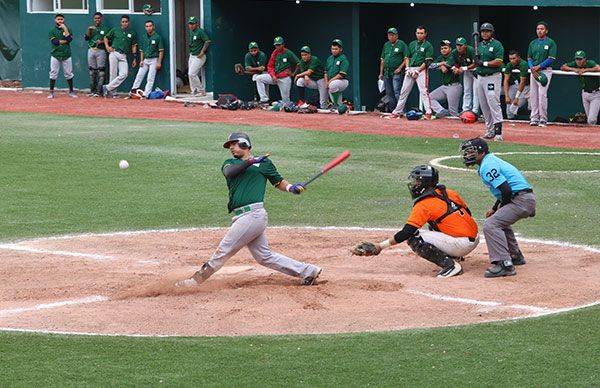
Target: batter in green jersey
[[246, 178], [60, 54], [590, 86]]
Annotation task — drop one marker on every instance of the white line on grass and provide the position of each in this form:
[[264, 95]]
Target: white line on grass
[[47, 306], [24, 248]]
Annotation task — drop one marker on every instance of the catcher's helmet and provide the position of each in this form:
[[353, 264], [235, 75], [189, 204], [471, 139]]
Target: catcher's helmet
[[468, 117], [486, 27], [541, 78], [470, 148], [240, 137], [421, 178]]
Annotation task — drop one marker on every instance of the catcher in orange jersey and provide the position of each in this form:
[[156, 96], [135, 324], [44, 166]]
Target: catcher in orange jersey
[[452, 231]]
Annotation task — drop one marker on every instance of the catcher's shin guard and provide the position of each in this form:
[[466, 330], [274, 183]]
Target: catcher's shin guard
[[429, 252], [204, 273], [93, 78], [100, 79]]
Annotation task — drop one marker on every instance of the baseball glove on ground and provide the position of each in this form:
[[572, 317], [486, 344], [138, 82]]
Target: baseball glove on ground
[[366, 249], [239, 69]]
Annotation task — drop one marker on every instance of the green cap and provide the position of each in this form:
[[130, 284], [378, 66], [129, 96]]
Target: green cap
[[392, 30], [147, 7], [193, 20], [305, 49], [460, 41], [580, 54], [337, 42], [278, 40], [446, 42], [252, 45]]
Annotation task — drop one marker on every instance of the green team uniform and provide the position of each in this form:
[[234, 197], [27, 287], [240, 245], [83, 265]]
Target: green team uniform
[[488, 51], [122, 40], [460, 60], [588, 84], [515, 77], [256, 61], [151, 45], [315, 65], [540, 50], [337, 65], [249, 186], [197, 39], [97, 34], [286, 59], [419, 52], [448, 77], [63, 50], [393, 56]]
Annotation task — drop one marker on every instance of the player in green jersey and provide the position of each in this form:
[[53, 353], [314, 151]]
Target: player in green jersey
[[590, 85], [96, 55], [60, 54], [540, 56], [516, 85], [198, 44]]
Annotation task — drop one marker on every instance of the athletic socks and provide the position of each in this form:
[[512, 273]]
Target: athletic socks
[[301, 93], [70, 83], [52, 82]]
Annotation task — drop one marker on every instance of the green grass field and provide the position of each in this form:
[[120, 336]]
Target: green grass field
[[60, 175]]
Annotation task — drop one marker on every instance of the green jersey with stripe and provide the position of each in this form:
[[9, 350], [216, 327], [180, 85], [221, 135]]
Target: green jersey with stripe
[[419, 52], [540, 50], [249, 186]]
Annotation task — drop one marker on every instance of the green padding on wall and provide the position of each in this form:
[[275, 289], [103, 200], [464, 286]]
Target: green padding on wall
[[10, 40]]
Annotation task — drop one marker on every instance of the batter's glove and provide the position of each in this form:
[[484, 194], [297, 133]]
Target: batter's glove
[[239, 69], [297, 188], [366, 249]]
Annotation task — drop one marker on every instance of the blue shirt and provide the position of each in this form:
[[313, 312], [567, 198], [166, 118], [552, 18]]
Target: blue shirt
[[494, 171]]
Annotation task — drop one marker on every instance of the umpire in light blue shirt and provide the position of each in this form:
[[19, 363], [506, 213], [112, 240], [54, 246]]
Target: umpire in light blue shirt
[[514, 200]]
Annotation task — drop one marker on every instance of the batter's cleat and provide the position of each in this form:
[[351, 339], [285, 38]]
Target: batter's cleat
[[50, 95], [498, 138], [542, 124], [452, 270], [534, 123], [518, 259], [187, 283], [499, 269], [310, 280]]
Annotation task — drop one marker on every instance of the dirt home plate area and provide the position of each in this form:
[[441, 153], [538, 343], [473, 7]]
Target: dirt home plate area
[[123, 283]]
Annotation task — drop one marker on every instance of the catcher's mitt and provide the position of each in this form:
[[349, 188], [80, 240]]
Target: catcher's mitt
[[366, 249], [239, 69]]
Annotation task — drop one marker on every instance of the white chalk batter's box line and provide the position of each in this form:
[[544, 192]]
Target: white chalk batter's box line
[[437, 161]]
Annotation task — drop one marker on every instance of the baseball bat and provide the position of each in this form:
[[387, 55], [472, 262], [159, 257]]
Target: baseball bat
[[339, 159], [476, 37]]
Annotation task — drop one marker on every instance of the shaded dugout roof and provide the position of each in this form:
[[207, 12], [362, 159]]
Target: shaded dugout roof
[[539, 3]]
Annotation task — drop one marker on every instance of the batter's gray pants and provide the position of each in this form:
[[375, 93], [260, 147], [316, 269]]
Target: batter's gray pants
[[119, 69], [248, 229], [319, 85], [195, 65], [538, 97], [499, 236], [55, 65], [284, 84], [511, 109], [338, 85], [149, 66], [470, 98], [97, 66], [450, 93], [591, 104], [489, 91], [422, 83]]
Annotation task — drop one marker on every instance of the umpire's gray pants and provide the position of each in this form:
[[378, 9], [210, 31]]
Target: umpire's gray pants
[[55, 65], [248, 229], [591, 104], [119, 69], [149, 67], [318, 84], [284, 84], [538, 97], [489, 91], [499, 236], [450, 93], [470, 99]]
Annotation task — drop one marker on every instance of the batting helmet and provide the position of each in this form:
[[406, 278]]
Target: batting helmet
[[470, 148], [468, 117], [486, 27], [413, 115], [541, 78], [422, 178], [240, 137]]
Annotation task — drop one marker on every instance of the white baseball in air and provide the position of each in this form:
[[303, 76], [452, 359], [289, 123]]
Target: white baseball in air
[[123, 165]]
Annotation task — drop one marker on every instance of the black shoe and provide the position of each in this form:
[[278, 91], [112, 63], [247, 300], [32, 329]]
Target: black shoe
[[500, 270], [518, 259]]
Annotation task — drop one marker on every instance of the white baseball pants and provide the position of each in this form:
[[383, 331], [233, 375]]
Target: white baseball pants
[[489, 90], [55, 65], [591, 104], [453, 246], [470, 98], [119, 69], [195, 65], [284, 84], [319, 85], [338, 85], [422, 83], [538, 97], [523, 99], [450, 93], [149, 67]]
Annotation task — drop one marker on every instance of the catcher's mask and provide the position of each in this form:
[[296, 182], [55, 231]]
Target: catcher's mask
[[470, 148], [421, 178], [242, 139]]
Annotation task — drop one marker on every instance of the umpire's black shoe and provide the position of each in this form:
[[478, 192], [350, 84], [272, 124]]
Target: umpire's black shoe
[[518, 259], [500, 270]]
